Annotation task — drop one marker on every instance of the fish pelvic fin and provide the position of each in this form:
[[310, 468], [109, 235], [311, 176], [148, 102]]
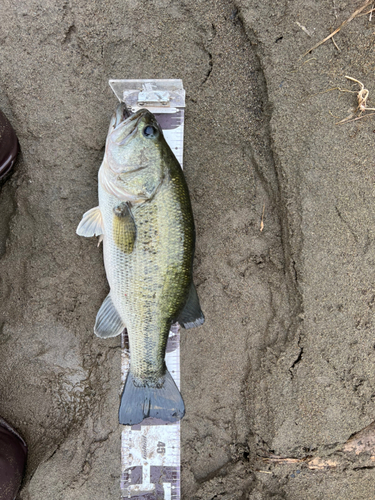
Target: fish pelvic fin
[[108, 321], [191, 315], [140, 401], [91, 223]]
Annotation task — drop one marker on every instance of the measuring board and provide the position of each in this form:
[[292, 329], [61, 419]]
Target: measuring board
[[150, 451]]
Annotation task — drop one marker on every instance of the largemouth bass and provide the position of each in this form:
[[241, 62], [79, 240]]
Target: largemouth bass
[[145, 221]]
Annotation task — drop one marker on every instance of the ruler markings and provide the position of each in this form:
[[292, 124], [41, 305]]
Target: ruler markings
[[150, 452]]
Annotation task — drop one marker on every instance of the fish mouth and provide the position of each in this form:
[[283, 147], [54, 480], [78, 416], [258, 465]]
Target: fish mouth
[[125, 124], [122, 113], [122, 131]]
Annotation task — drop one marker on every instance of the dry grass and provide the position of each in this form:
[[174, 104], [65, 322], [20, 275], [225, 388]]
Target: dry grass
[[362, 97], [350, 18]]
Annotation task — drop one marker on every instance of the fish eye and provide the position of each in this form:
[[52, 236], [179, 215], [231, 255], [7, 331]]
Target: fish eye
[[149, 131]]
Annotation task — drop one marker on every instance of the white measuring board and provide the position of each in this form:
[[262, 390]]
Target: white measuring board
[[150, 451]]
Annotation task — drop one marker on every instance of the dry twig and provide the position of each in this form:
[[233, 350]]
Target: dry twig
[[367, 13], [360, 444], [261, 222], [350, 18], [303, 28], [335, 44], [371, 11]]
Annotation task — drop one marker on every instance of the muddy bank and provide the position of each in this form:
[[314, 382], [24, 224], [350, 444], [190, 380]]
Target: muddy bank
[[284, 363]]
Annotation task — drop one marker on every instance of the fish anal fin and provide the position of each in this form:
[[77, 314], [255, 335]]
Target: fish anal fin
[[191, 315], [91, 223], [108, 321]]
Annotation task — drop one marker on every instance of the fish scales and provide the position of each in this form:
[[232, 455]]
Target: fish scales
[[145, 221], [150, 285]]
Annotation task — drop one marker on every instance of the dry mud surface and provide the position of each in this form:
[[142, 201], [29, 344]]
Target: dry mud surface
[[282, 373]]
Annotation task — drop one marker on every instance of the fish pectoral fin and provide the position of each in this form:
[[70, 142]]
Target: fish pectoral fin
[[191, 315], [124, 228], [108, 322], [91, 223]]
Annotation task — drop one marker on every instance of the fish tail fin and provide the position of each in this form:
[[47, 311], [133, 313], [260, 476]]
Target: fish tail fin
[[141, 401]]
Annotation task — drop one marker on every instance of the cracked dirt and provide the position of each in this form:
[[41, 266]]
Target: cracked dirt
[[281, 375]]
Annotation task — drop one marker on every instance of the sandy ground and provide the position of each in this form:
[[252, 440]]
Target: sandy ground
[[282, 373]]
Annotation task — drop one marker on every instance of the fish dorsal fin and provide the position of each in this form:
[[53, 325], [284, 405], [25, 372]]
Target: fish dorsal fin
[[124, 229], [91, 223], [191, 315], [108, 322]]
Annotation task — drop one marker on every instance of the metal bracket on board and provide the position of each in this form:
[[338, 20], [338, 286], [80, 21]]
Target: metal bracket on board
[[163, 96], [150, 451]]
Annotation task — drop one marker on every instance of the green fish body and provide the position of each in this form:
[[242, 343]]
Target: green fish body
[[146, 223]]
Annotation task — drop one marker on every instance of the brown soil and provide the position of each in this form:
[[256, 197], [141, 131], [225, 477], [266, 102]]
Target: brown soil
[[282, 373]]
